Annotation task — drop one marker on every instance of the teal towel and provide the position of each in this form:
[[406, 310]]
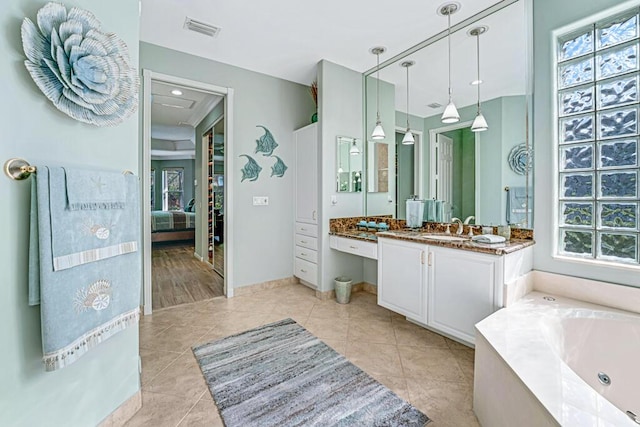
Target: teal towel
[[88, 189], [84, 305]]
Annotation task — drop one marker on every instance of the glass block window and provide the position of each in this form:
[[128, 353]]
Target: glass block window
[[598, 75]]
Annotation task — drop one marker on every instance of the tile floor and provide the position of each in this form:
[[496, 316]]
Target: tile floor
[[432, 372]]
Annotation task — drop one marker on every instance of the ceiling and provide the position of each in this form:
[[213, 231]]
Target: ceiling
[[287, 38], [174, 118]]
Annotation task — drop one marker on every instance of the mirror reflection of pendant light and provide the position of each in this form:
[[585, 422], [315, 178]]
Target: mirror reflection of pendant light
[[408, 135], [354, 150], [479, 123], [450, 114], [378, 132]]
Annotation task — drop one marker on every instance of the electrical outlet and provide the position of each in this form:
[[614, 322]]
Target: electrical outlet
[[260, 201]]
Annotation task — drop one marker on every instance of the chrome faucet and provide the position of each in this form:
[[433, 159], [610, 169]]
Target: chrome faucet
[[460, 226], [468, 219]]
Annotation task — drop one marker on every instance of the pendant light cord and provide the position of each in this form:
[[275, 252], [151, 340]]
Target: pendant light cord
[[407, 98], [378, 88], [449, 42], [478, 78]]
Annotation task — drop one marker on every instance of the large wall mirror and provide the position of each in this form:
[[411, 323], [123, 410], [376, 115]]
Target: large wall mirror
[[485, 177]]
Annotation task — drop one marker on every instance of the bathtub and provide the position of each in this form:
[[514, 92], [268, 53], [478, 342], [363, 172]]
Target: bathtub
[[548, 361]]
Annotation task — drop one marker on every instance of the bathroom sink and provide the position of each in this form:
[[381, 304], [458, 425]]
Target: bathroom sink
[[445, 238]]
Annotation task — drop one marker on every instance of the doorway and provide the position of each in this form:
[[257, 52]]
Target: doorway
[[452, 173], [182, 191]]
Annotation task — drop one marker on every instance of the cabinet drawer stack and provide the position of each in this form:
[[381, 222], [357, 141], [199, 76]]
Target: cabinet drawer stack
[[306, 251]]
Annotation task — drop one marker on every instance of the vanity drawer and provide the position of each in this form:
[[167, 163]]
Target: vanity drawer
[[307, 254], [306, 271], [307, 229], [355, 246], [306, 241]]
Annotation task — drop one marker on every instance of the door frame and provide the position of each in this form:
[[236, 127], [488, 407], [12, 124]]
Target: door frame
[[432, 160], [147, 77]]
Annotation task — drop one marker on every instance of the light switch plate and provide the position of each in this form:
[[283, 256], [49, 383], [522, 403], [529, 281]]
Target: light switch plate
[[260, 201], [334, 199]]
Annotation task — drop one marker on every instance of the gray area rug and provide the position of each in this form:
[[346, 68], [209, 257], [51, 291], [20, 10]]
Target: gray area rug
[[281, 375]]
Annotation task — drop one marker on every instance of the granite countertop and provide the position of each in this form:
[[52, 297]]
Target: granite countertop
[[508, 247]]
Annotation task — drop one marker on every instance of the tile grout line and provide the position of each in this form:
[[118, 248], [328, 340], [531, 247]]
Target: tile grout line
[[192, 406]]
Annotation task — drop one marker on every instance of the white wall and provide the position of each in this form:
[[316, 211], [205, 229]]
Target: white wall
[[87, 391], [548, 16]]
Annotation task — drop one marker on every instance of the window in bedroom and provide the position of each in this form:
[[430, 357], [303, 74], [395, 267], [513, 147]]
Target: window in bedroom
[[597, 80], [172, 189]]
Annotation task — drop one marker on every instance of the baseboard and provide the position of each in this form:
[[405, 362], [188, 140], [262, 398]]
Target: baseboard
[[365, 287], [272, 284], [326, 295], [124, 412], [198, 257]]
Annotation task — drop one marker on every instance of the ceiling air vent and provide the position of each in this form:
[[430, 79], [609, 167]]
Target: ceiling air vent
[[201, 27], [434, 105]]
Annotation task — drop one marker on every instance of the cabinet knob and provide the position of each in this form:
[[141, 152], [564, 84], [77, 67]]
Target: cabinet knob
[[303, 254], [353, 247], [303, 270], [303, 241], [314, 215]]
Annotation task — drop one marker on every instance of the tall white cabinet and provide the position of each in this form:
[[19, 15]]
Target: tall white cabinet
[[306, 205]]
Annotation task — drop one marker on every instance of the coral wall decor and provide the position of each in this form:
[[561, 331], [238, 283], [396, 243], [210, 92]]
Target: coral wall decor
[[83, 70]]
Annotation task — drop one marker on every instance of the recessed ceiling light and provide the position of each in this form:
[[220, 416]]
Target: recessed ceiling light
[[176, 92], [476, 82]]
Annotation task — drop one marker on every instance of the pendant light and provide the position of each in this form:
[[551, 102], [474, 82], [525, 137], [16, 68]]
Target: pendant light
[[450, 114], [479, 123], [408, 135], [378, 132], [354, 150]]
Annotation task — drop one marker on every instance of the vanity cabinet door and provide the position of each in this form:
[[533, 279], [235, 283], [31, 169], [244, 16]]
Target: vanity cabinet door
[[402, 275], [462, 290]]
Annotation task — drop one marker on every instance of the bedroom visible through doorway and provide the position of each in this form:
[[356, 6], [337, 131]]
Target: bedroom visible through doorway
[[180, 273]]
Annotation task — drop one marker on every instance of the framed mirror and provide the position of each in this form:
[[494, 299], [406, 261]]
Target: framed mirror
[[482, 176], [349, 174]]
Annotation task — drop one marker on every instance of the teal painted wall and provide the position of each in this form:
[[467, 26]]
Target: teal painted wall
[[405, 175], [565, 13], [281, 106], [189, 169], [87, 391]]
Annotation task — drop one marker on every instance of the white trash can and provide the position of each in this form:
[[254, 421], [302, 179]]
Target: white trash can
[[343, 289]]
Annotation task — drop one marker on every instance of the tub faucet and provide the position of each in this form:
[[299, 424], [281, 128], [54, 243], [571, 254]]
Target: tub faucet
[[460, 226], [468, 219]]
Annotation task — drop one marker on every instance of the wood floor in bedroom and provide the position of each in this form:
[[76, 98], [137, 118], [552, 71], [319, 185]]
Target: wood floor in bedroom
[[179, 278]]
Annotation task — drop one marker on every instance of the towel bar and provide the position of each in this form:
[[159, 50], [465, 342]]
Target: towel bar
[[19, 169]]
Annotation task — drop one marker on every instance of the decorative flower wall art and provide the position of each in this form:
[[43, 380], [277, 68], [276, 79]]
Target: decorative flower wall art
[[520, 159], [266, 144], [83, 70]]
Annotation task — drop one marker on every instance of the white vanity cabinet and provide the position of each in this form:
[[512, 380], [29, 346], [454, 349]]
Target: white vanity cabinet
[[463, 288], [444, 289], [402, 278]]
